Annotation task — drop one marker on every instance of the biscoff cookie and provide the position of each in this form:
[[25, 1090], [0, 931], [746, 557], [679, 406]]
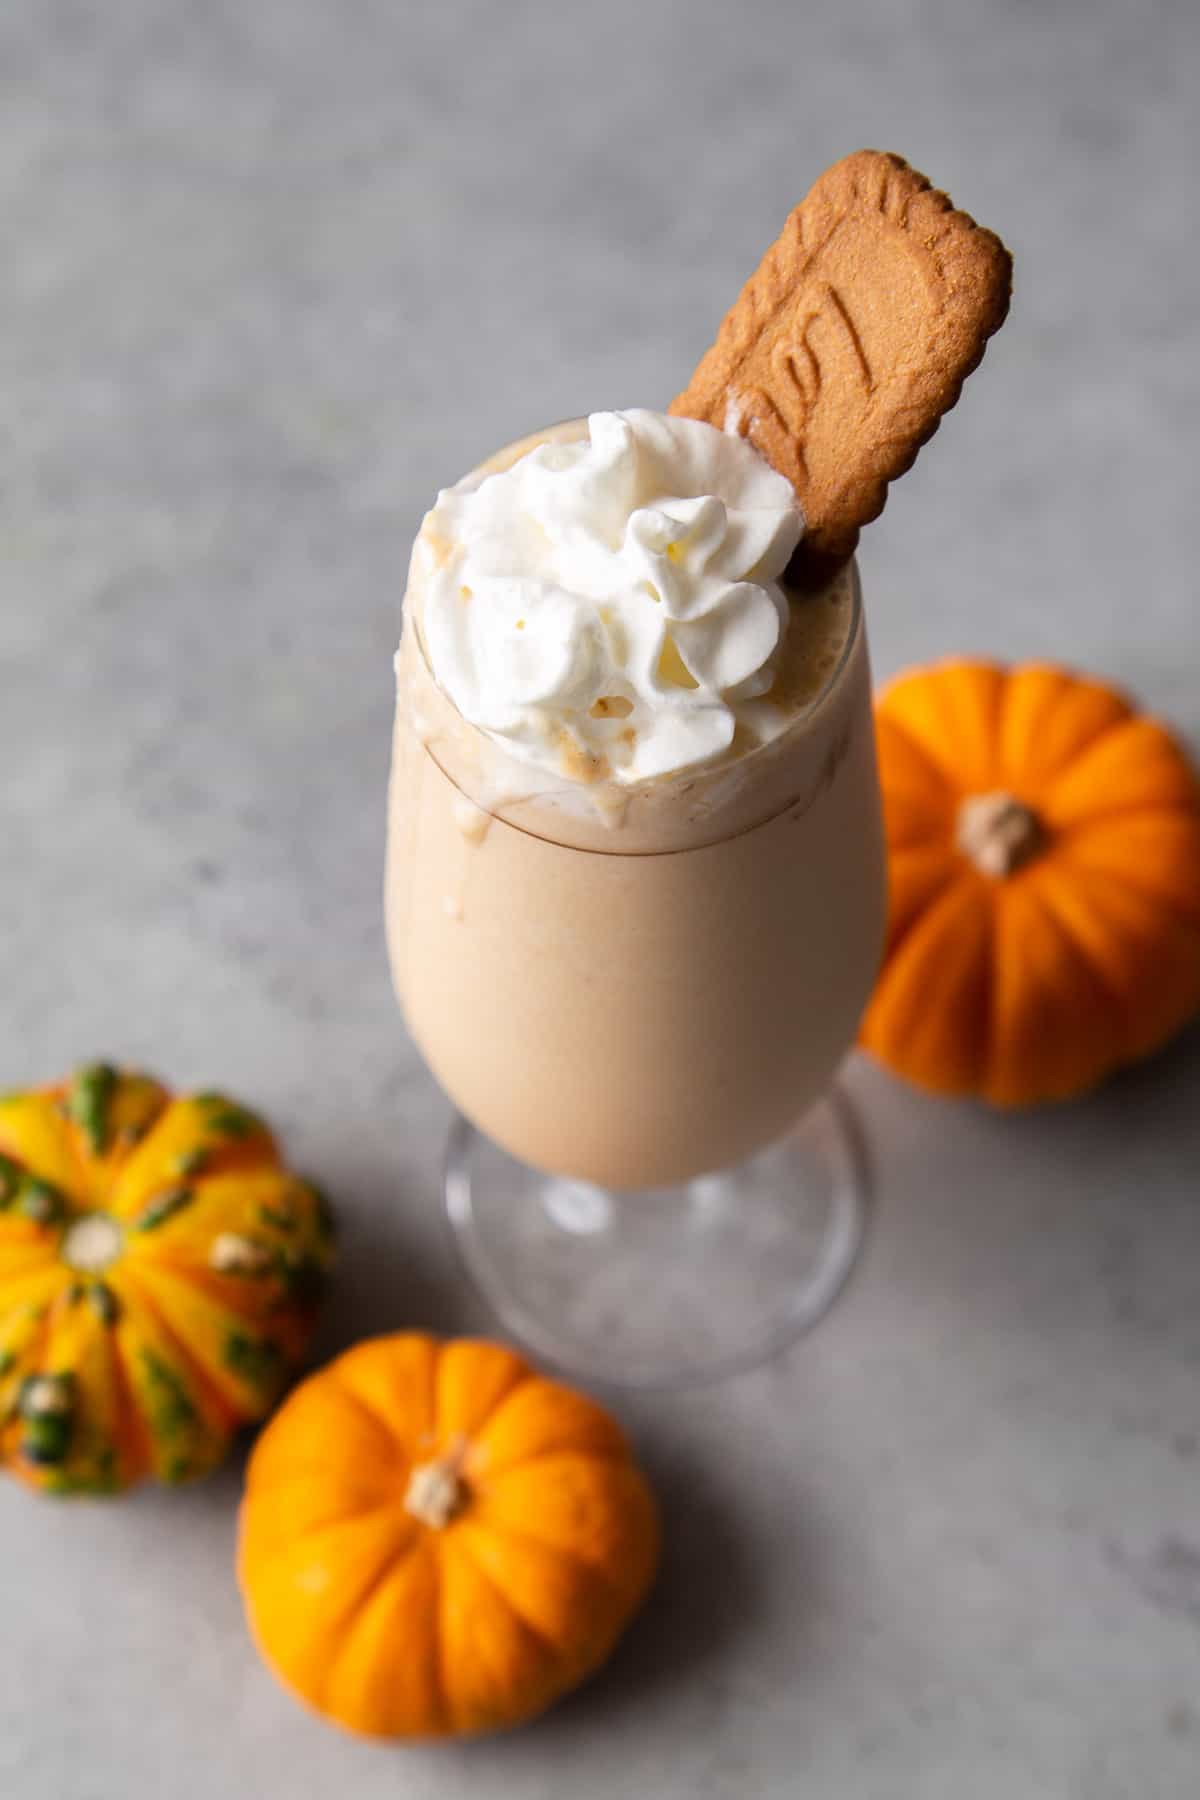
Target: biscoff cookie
[[852, 338]]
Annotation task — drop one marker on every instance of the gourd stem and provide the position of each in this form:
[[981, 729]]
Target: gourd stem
[[998, 833], [436, 1491]]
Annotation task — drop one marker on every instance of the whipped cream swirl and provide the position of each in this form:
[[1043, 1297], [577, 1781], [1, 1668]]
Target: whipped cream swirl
[[604, 607]]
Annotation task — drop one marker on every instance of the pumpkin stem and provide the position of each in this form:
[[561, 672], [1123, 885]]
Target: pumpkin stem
[[436, 1490], [998, 833], [91, 1242]]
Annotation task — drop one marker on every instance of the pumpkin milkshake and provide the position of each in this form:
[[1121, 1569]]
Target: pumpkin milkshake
[[635, 890]]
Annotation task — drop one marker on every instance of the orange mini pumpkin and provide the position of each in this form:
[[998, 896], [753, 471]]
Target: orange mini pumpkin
[[437, 1540], [159, 1273], [1044, 867]]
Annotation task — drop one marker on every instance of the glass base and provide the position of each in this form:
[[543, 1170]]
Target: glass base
[[664, 1287]]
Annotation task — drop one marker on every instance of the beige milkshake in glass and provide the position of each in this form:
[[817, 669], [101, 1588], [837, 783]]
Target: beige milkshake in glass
[[635, 890], [635, 911]]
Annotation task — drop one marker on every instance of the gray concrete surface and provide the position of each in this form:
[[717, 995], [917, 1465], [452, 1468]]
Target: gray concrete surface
[[272, 273]]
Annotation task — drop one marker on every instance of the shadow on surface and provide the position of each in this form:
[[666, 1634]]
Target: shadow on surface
[[707, 1599], [1082, 1214], [383, 1281]]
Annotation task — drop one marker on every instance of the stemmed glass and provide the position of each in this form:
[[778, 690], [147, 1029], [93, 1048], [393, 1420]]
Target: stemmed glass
[[639, 1017]]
